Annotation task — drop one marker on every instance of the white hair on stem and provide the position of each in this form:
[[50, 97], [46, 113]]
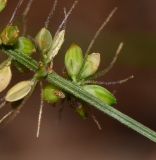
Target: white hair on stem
[[25, 14], [110, 83], [2, 104], [97, 33], [96, 121], [110, 66], [51, 14], [100, 29], [6, 116], [66, 17], [40, 112], [15, 11]]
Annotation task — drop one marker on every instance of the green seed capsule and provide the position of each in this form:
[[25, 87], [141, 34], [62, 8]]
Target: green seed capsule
[[5, 75], [9, 35], [19, 91], [56, 45], [91, 65], [44, 40], [52, 95], [3, 4], [25, 46], [73, 60], [101, 93]]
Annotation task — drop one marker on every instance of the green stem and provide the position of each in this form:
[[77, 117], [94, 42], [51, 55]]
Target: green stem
[[78, 92]]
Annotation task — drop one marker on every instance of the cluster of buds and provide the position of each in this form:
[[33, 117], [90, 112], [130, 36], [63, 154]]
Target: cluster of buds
[[48, 47], [10, 38], [80, 69]]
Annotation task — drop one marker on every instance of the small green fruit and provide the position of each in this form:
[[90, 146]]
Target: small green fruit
[[44, 40], [101, 93], [25, 46], [9, 35], [3, 4], [73, 60], [91, 65], [52, 95]]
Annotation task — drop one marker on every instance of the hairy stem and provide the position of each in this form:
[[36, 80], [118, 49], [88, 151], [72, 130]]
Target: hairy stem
[[78, 92]]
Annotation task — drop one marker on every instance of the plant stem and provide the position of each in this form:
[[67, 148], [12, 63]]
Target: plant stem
[[78, 92]]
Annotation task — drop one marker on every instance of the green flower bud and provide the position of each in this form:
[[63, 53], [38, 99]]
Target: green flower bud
[[5, 75], [9, 35], [52, 95], [56, 45], [3, 4], [91, 65], [73, 60], [25, 46], [44, 40], [101, 93], [19, 91]]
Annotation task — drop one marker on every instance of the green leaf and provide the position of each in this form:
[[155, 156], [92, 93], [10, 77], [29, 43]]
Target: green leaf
[[19, 91], [101, 93]]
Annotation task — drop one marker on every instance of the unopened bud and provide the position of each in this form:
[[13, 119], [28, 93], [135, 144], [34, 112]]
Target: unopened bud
[[73, 60], [9, 35], [19, 91], [52, 95], [25, 46], [91, 65], [3, 4], [101, 93], [44, 40]]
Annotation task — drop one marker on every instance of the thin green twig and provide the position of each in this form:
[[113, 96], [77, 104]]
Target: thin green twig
[[78, 92]]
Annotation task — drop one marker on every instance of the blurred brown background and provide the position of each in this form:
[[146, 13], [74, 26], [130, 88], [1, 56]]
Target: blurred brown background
[[71, 138]]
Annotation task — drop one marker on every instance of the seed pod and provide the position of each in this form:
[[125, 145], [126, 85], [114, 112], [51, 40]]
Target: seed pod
[[101, 93], [91, 65], [44, 40], [73, 60], [25, 45], [52, 95], [9, 35], [5, 75], [19, 91], [3, 4], [56, 45]]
